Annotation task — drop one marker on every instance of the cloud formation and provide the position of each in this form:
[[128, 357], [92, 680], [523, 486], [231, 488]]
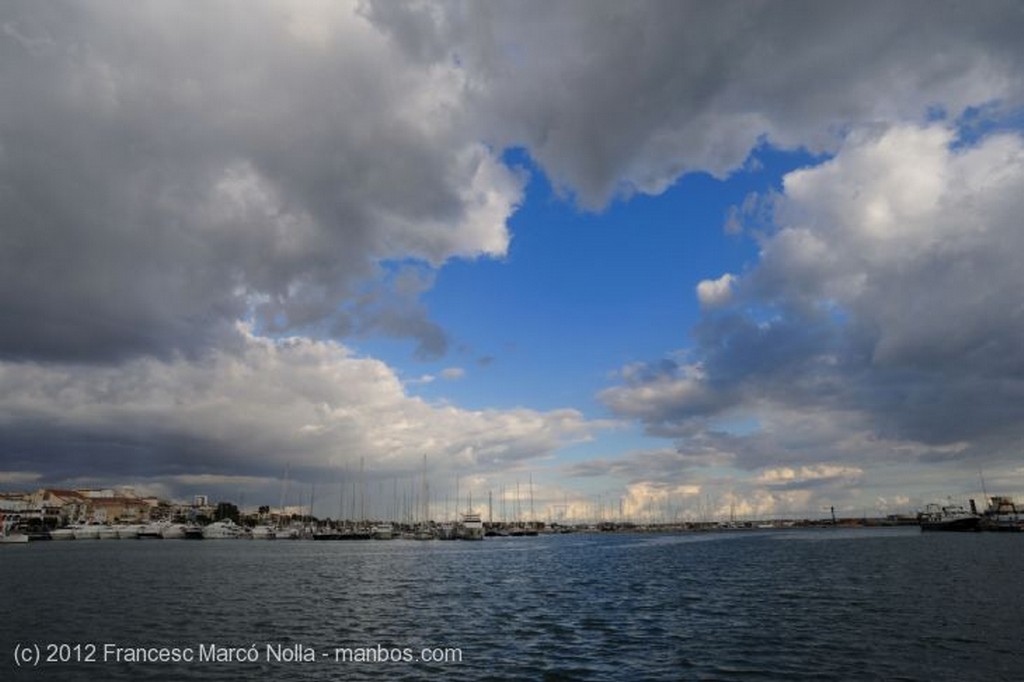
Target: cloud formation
[[614, 99], [880, 325], [713, 293], [310, 405], [165, 173], [197, 208]]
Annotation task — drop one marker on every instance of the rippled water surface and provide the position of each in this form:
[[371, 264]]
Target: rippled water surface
[[778, 605]]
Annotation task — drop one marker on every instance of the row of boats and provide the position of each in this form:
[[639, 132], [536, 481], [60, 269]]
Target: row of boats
[[471, 528], [1001, 515], [163, 530]]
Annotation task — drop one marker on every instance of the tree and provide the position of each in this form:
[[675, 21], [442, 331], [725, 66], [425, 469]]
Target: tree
[[225, 510]]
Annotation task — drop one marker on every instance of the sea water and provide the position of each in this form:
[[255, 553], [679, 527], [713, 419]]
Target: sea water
[[826, 604]]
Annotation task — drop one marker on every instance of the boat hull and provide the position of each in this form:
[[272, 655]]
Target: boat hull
[[263, 533], [968, 524]]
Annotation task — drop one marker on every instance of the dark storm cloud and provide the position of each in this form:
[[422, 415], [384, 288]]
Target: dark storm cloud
[[393, 308], [114, 452], [165, 172], [667, 465], [252, 411], [622, 97]]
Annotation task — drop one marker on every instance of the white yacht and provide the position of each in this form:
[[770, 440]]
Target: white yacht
[[86, 531], [130, 532], [172, 531], [223, 530], [382, 531], [62, 534], [263, 532], [151, 531], [472, 527], [105, 532]]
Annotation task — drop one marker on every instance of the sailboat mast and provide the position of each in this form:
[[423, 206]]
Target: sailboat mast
[[284, 495], [532, 517], [362, 493], [426, 493], [312, 494]]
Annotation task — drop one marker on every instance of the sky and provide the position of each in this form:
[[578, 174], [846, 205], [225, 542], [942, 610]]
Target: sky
[[649, 260]]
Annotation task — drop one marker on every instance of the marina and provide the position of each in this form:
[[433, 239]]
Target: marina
[[574, 341], [116, 514]]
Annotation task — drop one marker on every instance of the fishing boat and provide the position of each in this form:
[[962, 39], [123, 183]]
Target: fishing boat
[[950, 517], [1002, 515]]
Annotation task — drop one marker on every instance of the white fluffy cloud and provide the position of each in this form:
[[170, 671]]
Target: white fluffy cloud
[[785, 476], [916, 239], [713, 293], [311, 406], [453, 373]]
